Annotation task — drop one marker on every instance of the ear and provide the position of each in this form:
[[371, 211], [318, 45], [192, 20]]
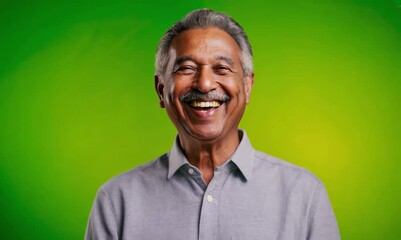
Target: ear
[[159, 86], [248, 87]]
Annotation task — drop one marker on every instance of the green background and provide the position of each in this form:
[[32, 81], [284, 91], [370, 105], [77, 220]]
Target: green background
[[77, 103]]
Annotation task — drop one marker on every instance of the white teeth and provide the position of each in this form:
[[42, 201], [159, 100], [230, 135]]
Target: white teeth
[[205, 104]]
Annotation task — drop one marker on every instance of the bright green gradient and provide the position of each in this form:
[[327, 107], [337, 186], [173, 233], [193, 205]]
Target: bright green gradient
[[77, 103]]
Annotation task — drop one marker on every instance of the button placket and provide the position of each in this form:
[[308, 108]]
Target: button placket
[[209, 219]]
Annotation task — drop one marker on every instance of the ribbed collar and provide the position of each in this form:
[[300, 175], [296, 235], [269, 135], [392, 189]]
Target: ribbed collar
[[242, 157]]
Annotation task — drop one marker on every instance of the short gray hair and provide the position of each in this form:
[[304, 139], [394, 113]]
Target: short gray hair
[[205, 18]]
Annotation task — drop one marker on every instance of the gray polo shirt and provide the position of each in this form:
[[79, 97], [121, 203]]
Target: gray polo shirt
[[253, 196]]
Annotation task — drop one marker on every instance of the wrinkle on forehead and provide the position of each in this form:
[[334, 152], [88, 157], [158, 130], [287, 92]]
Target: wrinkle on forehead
[[203, 40]]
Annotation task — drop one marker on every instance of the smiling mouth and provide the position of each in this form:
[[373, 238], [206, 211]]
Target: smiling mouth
[[205, 105]]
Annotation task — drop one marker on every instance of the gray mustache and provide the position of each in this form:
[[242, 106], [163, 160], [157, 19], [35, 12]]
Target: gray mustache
[[209, 96]]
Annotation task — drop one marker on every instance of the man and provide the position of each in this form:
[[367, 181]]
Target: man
[[212, 184]]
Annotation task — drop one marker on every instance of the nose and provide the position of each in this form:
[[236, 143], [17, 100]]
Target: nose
[[205, 81]]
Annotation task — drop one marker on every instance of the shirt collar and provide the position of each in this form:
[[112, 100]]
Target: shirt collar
[[242, 157], [176, 158]]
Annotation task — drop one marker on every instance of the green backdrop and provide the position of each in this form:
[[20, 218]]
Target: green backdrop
[[77, 103]]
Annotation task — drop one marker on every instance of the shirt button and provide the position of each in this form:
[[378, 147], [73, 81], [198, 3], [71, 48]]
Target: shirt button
[[190, 171], [209, 198]]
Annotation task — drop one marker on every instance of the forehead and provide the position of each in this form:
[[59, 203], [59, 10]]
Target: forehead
[[204, 42]]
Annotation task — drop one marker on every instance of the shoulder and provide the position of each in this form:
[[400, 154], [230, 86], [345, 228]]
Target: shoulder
[[285, 173], [137, 177], [301, 191]]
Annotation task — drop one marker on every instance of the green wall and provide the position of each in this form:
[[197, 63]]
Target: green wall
[[77, 104]]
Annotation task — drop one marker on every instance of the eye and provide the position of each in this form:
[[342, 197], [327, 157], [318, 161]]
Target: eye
[[222, 70], [186, 70]]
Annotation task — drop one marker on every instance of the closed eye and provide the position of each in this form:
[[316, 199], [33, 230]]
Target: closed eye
[[185, 70], [222, 70]]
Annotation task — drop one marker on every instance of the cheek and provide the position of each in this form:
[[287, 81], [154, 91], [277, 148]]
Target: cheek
[[173, 91], [233, 87], [179, 87], [170, 89]]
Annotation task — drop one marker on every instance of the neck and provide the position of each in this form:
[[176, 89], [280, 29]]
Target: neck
[[207, 155]]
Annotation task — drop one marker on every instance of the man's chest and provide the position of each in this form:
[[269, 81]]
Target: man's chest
[[231, 211]]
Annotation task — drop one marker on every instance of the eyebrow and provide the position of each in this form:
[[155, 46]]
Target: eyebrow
[[225, 59], [182, 59]]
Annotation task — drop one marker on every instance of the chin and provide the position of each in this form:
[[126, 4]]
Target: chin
[[205, 133]]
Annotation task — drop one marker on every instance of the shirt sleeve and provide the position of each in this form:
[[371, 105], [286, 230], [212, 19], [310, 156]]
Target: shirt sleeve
[[322, 222], [102, 224]]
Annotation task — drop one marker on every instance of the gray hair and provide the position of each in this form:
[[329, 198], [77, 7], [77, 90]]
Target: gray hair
[[205, 18]]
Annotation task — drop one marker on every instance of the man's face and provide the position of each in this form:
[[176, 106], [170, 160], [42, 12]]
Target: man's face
[[204, 90]]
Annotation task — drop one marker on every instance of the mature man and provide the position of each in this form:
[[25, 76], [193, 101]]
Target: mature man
[[212, 184]]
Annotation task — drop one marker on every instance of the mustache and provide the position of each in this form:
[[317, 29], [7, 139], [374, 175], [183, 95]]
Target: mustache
[[209, 96]]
